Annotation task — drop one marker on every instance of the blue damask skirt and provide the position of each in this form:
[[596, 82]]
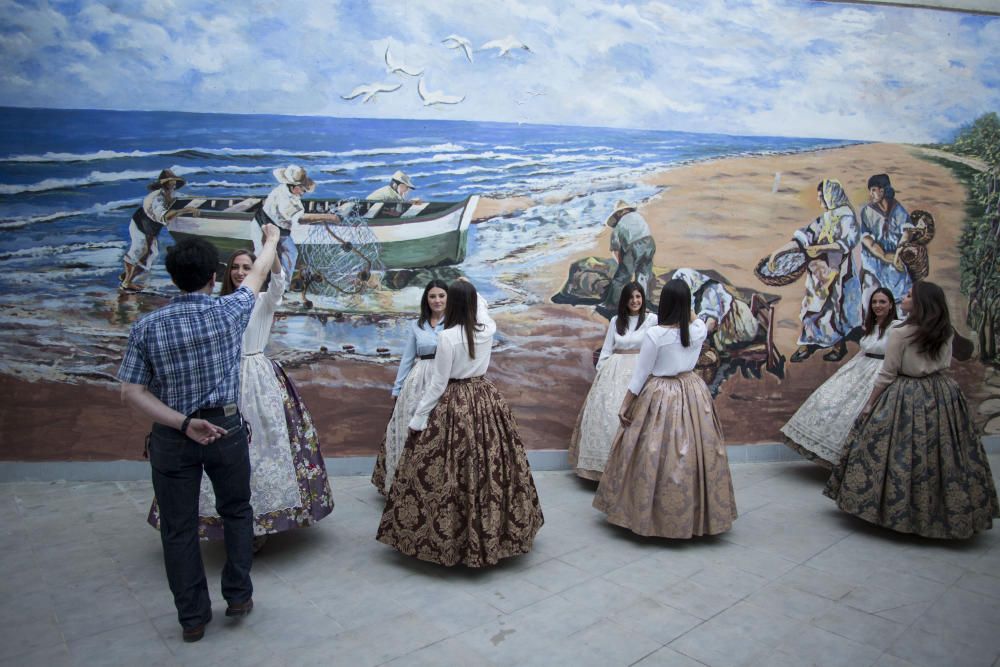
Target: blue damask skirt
[[916, 464]]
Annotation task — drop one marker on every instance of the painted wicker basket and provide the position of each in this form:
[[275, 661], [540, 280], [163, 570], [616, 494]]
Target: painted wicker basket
[[788, 267]]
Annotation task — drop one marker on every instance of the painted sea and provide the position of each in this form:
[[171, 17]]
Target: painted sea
[[70, 180]]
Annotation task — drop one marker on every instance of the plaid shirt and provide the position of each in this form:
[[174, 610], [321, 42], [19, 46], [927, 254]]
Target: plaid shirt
[[188, 352]]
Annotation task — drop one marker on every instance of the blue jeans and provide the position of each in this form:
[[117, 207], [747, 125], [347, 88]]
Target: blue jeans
[[177, 463], [288, 255]]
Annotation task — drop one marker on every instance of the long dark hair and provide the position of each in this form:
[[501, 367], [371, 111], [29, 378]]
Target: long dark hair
[[463, 301], [425, 306], [675, 308], [227, 278], [929, 313], [623, 312], [871, 321]]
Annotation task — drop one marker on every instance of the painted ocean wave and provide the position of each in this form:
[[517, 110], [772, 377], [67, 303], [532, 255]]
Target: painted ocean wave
[[106, 154]]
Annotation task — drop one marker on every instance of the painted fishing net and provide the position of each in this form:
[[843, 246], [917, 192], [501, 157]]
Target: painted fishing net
[[340, 257]]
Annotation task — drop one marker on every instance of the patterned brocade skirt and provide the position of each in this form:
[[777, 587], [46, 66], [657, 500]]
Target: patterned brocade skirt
[[396, 430], [668, 474], [916, 464], [463, 491]]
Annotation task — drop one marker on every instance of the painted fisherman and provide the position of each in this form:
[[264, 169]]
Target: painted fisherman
[[396, 191], [283, 208], [633, 248], [145, 226], [884, 223]]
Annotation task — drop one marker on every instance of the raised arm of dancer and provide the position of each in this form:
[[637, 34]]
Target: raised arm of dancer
[[268, 255]]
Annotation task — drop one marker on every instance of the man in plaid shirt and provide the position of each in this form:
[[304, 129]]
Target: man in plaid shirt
[[182, 371]]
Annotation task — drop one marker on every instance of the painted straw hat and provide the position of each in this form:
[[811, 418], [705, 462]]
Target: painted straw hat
[[166, 176], [401, 177], [294, 175], [621, 206]]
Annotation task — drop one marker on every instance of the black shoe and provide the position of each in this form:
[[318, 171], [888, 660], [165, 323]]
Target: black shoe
[[606, 311], [803, 353], [239, 609], [191, 635]]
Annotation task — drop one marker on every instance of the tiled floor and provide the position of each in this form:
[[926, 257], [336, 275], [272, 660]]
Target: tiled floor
[[794, 583]]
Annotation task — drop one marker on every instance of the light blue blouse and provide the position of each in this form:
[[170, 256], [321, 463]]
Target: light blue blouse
[[421, 341]]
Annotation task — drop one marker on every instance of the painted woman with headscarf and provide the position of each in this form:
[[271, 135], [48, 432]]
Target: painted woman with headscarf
[[831, 308]]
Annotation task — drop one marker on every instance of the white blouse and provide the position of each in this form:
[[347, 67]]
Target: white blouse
[[452, 360], [873, 344], [663, 355], [258, 330], [632, 340]]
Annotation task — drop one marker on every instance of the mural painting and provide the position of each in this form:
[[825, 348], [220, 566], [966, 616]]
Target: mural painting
[[548, 169]]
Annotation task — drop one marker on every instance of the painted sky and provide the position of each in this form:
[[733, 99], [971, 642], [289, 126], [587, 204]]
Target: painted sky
[[778, 67]]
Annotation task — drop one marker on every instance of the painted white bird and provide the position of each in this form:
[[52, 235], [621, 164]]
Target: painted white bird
[[459, 42], [393, 66], [371, 90], [505, 46], [435, 97]]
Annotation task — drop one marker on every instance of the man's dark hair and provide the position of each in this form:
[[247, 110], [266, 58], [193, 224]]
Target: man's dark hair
[[192, 263]]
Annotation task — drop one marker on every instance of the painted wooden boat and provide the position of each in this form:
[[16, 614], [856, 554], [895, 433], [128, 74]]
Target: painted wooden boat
[[410, 235]]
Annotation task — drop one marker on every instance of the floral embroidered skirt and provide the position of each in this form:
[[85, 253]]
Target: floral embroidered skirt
[[818, 428], [288, 483], [463, 491], [396, 430], [598, 421], [916, 464], [668, 474]]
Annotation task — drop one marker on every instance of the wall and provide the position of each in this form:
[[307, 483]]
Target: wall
[[716, 122]]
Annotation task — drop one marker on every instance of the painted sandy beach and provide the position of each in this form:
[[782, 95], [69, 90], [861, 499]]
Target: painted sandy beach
[[544, 361]]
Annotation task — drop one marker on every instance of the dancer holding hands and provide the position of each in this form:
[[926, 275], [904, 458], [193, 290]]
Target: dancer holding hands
[[411, 378], [913, 462], [598, 421], [818, 428], [668, 474], [463, 492]]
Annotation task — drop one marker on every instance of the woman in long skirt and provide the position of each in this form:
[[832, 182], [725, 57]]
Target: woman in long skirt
[[463, 491], [598, 421], [411, 378], [913, 461], [668, 475], [818, 428], [288, 478]]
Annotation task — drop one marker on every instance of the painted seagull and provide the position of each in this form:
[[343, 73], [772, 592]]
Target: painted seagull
[[393, 66], [505, 46], [371, 90], [435, 97], [459, 42]]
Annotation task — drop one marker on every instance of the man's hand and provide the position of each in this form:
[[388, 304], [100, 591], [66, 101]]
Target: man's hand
[[412, 431], [204, 432], [814, 251]]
